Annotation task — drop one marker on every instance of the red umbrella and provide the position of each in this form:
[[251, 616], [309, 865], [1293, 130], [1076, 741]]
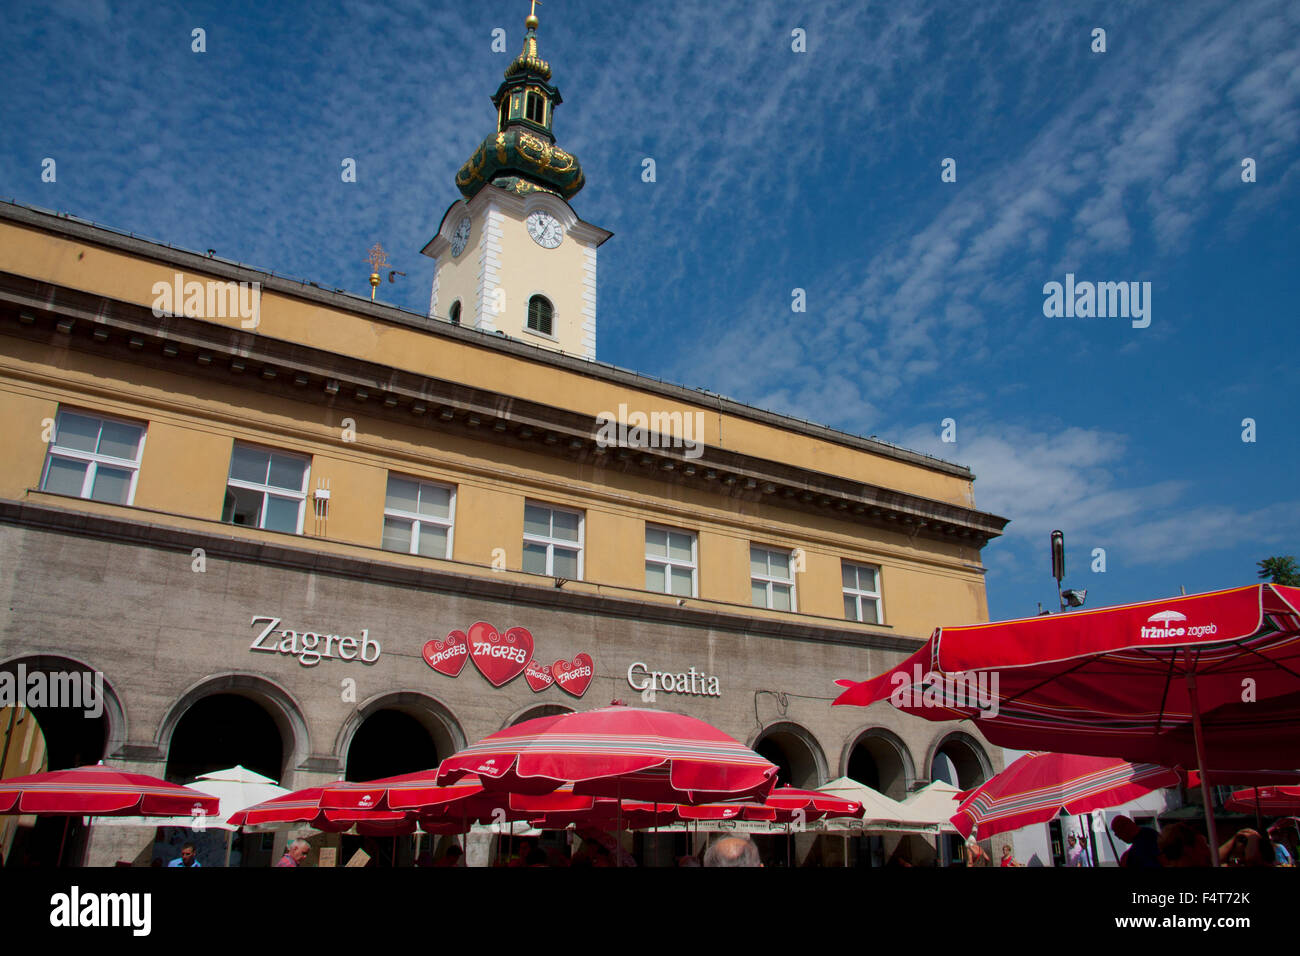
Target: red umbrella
[[463, 798], [304, 807], [1203, 680], [1038, 786], [100, 791], [1269, 801], [616, 751]]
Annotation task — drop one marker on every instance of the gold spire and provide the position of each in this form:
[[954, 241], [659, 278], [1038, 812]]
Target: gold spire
[[529, 60], [377, 259]]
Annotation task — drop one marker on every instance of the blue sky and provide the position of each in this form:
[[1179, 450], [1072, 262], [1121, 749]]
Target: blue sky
[[779, 170]]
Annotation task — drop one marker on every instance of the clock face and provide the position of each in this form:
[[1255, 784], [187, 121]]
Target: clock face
[[545, 229], [460, 237]]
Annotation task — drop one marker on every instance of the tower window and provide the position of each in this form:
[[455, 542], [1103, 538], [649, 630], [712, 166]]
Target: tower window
[[535, 109], [454, 315], [540, 314]]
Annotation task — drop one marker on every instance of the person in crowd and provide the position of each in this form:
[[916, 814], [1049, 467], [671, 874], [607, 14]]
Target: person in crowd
[[536, 857], [295, 853], [1182, 845], [1246, 848], [1008, 856], [975, 854], [732, 851], [188, 857], [452, 857], [1285, 854], [1074, 852], [1144, 845], [688, 860]]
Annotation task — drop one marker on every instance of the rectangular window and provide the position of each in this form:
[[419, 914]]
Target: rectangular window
[[670, 561], [535, 107], [418, 517], [861, 593], [552, 542], [771, 579], [93, 457], [266, 489]]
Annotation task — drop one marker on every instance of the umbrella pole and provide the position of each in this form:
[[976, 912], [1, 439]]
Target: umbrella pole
[[63, 840], [229, 839], [1259, 824], [1202, 767]]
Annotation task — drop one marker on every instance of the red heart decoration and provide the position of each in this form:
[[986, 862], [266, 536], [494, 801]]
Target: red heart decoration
[[574, 678], [499, 657], [539, 676], [449, 656]]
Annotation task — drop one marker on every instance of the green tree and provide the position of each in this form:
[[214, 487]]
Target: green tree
[[1280, 570]]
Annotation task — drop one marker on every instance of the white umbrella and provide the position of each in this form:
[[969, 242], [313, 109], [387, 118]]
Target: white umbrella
[[880, 813], [235, 787], [934, 803]]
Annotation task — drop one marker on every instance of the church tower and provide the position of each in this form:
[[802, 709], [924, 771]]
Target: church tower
[[512, 255]]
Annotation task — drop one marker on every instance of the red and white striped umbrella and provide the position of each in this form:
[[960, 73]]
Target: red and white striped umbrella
[[100, 791], [1038, 786], [304, 807], [616, 751]]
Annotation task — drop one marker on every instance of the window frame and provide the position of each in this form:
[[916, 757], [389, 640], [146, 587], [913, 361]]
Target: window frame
[[859, 594], [551, 542], [269, 489], [768, 581], [95, 459], [668, 562], [550, 334], [453, 314], [417, 519]]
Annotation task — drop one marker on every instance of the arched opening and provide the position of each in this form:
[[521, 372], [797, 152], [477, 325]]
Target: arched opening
[[800, 763], [396, 734], [880, 760], [795, 760], [960, 761], [388, 743], [71, 718], [223, 722], [454, 314], [225, 730], [531, 713]]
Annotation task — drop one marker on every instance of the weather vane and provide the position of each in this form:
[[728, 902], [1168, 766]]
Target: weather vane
[[377, 259]]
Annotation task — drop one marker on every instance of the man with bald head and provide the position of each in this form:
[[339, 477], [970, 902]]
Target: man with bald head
[[732, 851], [1144, 848]]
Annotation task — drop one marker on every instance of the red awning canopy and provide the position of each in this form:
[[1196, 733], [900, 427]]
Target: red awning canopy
[[1119, 681]]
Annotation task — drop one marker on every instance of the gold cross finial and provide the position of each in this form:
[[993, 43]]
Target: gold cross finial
[[533, 12], [377, 259], [531, 22]]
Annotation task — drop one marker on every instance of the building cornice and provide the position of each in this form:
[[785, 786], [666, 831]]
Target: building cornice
[[59, 317]]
